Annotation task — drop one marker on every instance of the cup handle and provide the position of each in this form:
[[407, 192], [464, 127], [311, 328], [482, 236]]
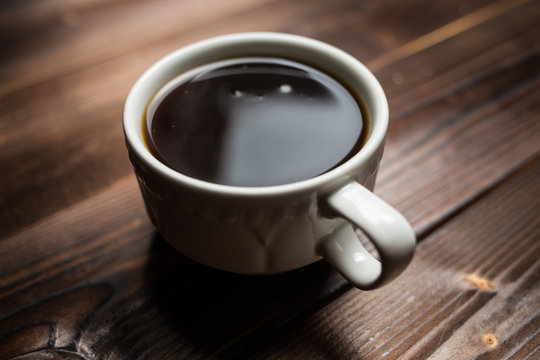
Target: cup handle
[[389, 231]]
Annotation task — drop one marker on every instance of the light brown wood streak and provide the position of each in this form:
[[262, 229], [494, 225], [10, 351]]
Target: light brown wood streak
[[445, 32]]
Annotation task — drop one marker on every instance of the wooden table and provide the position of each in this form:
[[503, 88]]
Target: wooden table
[[83, 274]]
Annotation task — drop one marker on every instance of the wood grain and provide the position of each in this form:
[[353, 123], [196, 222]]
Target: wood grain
[[84, 275], [439, 308], [63, 99]]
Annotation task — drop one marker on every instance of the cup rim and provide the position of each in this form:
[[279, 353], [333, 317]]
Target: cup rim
[[376, 104]]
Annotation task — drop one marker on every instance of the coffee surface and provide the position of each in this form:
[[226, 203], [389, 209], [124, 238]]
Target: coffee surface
[[254, 122]]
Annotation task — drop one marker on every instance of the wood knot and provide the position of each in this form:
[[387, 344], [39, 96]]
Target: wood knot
[[490, 340], [480, 282]]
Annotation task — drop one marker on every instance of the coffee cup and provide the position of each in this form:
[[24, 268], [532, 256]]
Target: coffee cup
[[274, 228]]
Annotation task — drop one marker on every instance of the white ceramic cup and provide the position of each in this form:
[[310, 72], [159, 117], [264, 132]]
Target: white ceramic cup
[[265, 230]]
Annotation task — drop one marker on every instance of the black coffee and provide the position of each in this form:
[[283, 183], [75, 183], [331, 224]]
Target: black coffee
[[254, 122]]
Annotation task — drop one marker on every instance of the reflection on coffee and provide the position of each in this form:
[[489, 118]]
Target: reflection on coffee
[[254, 122]]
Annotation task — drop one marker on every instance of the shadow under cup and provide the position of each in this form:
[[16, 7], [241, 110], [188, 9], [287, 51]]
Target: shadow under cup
[[259, 230]]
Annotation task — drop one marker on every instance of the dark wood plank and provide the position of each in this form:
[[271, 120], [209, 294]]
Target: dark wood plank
[[98, 33], [95, 280], [132, 281], [96, 26], [145, 284], [479, 95], [63, 87], [473, 289]]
